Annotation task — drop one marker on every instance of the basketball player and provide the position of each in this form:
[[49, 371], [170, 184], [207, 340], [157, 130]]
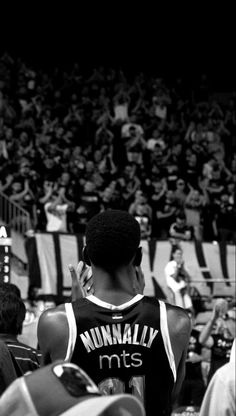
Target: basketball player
[[125, 341]]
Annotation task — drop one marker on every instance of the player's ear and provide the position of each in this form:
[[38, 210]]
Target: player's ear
[[85, 256], [138, 257]]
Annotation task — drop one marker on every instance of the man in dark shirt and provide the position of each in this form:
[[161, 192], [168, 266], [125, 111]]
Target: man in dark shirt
[[179, 230], [12, 315]]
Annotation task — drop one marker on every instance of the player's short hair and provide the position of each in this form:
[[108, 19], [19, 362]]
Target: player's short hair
[[112, 239]]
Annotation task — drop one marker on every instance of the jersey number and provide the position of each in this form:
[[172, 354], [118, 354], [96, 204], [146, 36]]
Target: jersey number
[[117, 386]]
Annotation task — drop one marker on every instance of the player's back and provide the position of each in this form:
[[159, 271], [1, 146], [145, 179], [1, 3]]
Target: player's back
[[125, 348]]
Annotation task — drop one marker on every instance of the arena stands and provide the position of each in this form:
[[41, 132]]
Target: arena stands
[[74, 142]]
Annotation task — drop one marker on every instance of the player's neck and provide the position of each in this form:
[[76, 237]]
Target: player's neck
[[115, 288], [114, 297]]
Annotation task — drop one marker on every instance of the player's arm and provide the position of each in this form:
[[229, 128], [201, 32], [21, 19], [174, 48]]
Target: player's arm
[[180, 327], [53, 334], [180, 375]]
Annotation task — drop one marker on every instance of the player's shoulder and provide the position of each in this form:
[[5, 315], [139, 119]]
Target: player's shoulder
[[176, 312], [178, 319], [53, 315]]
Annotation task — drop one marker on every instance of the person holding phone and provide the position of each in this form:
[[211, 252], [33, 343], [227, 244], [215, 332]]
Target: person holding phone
[[125, 341]]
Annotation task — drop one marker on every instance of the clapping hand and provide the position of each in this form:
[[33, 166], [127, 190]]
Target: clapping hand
[[220, 308], [82, 282]]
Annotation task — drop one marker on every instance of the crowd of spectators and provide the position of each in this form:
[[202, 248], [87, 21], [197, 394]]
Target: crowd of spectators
[[76, 141]]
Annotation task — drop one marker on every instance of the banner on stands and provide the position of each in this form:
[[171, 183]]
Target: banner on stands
[[49, 255]]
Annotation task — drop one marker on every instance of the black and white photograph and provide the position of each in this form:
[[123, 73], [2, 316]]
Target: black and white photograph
[[117, 209]]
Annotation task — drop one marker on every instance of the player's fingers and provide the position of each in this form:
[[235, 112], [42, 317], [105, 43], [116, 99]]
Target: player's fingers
[[76, 289], [87, 276], [72, 272], [79, 268]]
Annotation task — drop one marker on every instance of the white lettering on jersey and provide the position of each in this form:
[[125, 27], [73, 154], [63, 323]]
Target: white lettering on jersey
[[113, 334]]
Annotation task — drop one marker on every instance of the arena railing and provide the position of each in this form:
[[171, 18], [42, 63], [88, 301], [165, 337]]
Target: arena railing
[[13, 215]]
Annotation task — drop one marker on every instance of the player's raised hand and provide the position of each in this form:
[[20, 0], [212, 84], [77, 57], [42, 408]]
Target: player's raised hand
[[82, 283]]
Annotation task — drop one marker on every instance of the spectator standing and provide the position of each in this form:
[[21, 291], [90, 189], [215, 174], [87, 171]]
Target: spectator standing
[[128, 183], [21, 193], [194, 208], [142, 211], [225, 218], [181, 192], [89, 204], [218, 334], [135, 145], [121, 107], [110, 198], [166, 215], [178, 279], [55, 210]]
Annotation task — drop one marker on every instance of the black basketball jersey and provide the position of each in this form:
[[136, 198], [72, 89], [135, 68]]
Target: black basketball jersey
[[124, 348], [194, 370], [220, 353]]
